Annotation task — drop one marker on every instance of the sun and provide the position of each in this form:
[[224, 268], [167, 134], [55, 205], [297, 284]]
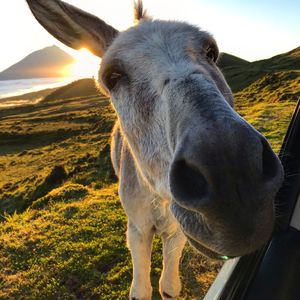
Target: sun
[[86, 65]]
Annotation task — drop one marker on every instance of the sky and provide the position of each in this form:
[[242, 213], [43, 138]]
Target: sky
[[252, 30]]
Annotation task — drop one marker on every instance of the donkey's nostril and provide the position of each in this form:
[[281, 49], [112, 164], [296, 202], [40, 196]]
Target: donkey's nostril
[[188, 186], [269, 162]]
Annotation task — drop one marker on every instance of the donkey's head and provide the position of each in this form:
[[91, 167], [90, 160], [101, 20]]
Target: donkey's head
[[175, 111]]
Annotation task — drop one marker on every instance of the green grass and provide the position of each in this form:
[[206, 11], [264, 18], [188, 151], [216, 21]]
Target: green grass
[[272, 88], [241, 74], [269, 102], [37, 138], [70, 244], [62, 233], [271, 119], [78, 88], [66, 246]]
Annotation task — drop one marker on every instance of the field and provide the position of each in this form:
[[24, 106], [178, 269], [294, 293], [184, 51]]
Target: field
[[62, 233]]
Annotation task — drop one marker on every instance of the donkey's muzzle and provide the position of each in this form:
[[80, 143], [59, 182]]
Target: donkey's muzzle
[[229, 177], [239, 167]]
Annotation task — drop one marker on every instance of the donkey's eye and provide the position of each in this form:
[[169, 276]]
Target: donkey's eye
[[112, 79], [212, 54]]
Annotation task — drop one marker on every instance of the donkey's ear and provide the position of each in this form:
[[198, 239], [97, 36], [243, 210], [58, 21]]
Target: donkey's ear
[[73, 26]]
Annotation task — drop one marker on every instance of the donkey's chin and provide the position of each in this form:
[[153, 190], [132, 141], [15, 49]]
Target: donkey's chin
[[195, 229], [215, 244], [206, 251]]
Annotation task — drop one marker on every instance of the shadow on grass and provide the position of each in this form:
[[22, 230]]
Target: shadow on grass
[[12, 143]]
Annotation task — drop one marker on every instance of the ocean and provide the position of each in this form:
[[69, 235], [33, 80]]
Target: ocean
[[9, 88]]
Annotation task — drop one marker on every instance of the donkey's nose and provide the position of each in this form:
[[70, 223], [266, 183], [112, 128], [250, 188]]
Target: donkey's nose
[[203, 174], [188, 185]]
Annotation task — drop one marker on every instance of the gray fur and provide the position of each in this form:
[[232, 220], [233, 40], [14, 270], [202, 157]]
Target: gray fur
[[189, 166]]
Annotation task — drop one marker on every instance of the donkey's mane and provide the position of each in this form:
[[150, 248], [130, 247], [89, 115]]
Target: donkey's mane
[[139, 11]]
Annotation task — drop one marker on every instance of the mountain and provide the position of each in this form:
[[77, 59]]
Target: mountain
[[47, 62], [227, 60], [240, 74], [269, 80]]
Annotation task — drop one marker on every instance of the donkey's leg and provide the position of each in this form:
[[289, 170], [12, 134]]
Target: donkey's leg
[[170, 284], [140, 245]]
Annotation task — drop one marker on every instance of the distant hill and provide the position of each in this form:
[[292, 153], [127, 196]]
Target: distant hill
[[47, 62], [271, 88], [240, 74], [79, 88], [227, 60]]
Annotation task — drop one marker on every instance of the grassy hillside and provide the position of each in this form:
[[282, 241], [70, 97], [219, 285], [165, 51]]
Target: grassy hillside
[[70, 244], [230, 61], [240, 75], [78, 88], [272, 88], [268, 104], [57, 136], [62, 233]]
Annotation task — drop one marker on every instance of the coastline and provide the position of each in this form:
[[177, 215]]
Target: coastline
[[12, 88]]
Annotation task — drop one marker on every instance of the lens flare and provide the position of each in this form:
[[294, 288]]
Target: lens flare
[[85, 65]]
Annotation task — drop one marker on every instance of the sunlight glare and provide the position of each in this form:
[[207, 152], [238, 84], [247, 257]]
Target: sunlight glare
[[85, 66]]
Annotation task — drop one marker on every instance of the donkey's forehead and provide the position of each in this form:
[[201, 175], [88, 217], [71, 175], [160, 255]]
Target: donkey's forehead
[[150, 37]]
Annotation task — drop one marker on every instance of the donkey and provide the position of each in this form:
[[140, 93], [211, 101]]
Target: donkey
[[189, 167]]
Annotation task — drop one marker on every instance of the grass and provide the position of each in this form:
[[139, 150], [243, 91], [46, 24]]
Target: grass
[[70, 244], [62, 247], [78, 88], [241, 74], [39, 138], [62, 233], [271, 120], [269, 102]]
